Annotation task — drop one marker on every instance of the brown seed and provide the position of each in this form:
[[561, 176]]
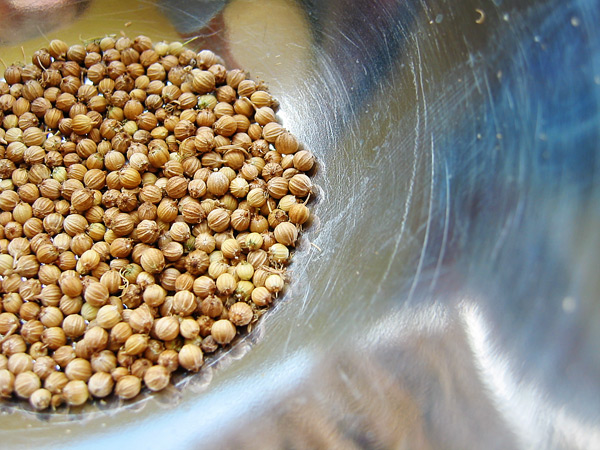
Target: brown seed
[[157, 378], [74, 325], [166, 328], [26, 383], [120, 332], [32, 330], [223, 331], [240, 314], [226, 284], [191, 358], [96, 338], [286, 143], [184, 303], [211, 306], [108, 316], [189, 328], [130, 178], [7, 383], [261, 296], [217, 183], [55, 382], [54, 337], [100, 384], [20, 362], [63, 355], [300, 185], [136, 344], [218, 220], [286, 233], [82, 124], [70, 285], [176, 187], [122, 224], [44, 366], [78, 369], [128, 387], [141, 319], [40, 399], [153, 260], [121, 247], [96, 294], [75, 392], [154, 295], [299, 213]]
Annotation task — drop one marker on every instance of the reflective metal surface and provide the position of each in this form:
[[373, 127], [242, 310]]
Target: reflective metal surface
[[446, 294]]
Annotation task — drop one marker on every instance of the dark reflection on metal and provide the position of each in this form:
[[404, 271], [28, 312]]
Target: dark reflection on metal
[[22, 20]]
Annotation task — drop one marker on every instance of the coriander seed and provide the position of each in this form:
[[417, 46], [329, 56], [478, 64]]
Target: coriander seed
[[75, 392], [128, 387], [100, 384], [191, 358], [223, 331], [157, 378]]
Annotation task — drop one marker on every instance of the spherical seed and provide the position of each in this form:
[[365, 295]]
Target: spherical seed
[[274, 283], [82, 199], [55, 382], [154, 295], [40, 399], [7, 383], [211, 306], [261, 296], [101, 384], [203, 81], [190, 357], [20, 362], [122, 224], [286, 233], [226, 284], [256, 197], [153, 260], [120, 332], [74, 325], [128, 387], [54, 337], [108, 316], [300, 185], [279, 253], [26, 383], [169, 359], [298, 213], [82, 124], [75, 392], [96, 294], [141, 319], [96, 338], [240, 314], [157, 378], [217, 183], [223, 331], [44, 366], [78, 369], [286, 143], [136, 344], [184, 303], [218, 220]]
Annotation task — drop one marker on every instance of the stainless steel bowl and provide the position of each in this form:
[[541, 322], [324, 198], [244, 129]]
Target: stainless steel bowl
[[446, 293]]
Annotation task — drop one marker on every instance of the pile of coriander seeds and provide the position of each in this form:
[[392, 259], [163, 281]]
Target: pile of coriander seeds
[[149, 201]]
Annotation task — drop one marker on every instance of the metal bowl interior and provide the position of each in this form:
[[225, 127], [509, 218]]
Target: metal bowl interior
[[445, 294]]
